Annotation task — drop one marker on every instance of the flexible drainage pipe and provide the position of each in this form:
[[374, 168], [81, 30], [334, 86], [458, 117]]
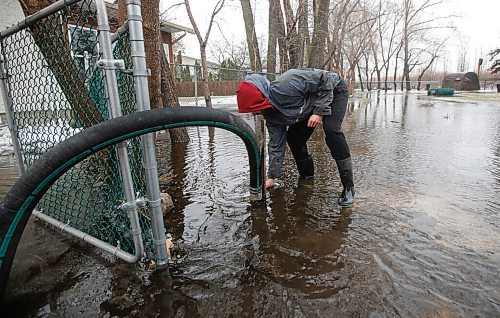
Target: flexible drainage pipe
[[23, 197]]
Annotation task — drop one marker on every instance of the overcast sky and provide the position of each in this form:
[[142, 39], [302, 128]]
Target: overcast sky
[[477, 22]]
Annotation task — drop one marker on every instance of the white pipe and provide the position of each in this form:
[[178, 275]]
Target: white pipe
[[87, 238]]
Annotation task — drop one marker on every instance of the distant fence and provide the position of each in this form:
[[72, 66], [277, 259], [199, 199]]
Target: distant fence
[[223, 83], [223, 88], [485, 84]]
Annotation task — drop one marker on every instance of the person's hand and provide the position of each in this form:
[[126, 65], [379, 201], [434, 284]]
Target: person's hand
[[315, 120], [269, 184]]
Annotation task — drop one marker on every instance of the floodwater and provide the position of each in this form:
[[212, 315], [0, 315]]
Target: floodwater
[[422, 240]]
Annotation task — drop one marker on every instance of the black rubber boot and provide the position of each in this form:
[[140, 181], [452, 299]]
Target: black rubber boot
[[346, 199], [306, 168]]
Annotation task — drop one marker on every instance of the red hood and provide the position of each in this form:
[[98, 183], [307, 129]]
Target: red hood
[[250, 99]]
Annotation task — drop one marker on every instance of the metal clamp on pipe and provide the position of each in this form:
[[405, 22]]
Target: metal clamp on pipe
[[128, 206], [146, 72], [141, 202], [154, 203], [111, 64], [136, 2]]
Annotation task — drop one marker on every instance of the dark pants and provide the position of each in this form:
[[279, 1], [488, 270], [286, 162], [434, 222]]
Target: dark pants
[[298, 134]]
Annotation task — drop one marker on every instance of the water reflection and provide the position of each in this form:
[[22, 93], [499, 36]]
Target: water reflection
[[298, 247], [422, 239]]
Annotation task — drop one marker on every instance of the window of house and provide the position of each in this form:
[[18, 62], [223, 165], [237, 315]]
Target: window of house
[[84, 47]]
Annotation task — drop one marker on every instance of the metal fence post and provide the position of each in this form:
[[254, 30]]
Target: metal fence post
[[195, 86], [110, 65], [140, 74], [4, 89]]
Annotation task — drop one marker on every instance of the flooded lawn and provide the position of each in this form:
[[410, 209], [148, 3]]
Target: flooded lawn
[[422, 240]]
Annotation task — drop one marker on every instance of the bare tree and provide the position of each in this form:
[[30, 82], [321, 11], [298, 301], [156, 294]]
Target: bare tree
[[233, 50], [316, 52], [276, 30], [342, 26], [433, 54], [252, 43], [417, 20], [303, 31], [359, 36], [203, 45], [389, 19], [463, 55]]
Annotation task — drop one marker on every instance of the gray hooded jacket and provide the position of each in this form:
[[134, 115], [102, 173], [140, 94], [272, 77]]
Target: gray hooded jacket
[[295, 96]]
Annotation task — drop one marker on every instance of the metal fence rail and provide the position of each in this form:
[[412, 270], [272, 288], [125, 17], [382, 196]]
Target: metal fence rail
[[55, 85]]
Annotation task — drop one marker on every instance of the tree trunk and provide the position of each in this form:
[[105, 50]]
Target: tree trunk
[[316, 52], [272, 37], [368, 84], [293, 41], [53, 42], [253, 44], [360, 78], [204, 77], [152, 44], [303, 30], [396, 69], [203, 45], [170, 99]]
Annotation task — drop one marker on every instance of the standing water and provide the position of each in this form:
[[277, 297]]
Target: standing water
[[422, 240]]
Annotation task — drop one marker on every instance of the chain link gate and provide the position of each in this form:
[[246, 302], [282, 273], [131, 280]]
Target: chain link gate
[[56, 83]]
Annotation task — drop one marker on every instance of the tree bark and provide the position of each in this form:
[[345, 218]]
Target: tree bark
[[272, 37], [282, 43], [203, 46], [303, 30], [153, 46], [292, 38], [170, 99], [253, 44], [316, 52], [53, 42]]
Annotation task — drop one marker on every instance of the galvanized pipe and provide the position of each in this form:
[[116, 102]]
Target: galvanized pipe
[[110, 65], [88, 238], [141, 74], [120, 31], [45, 12], [4, 89]]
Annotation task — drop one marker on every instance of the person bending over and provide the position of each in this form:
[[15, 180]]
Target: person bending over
[[293, 105]]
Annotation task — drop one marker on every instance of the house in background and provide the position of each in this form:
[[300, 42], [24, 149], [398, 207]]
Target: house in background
[[83, 40], [167, 30]]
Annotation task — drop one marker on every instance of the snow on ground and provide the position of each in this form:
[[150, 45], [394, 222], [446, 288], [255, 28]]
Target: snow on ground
[[5, 141], [221, 102], [36, 140]]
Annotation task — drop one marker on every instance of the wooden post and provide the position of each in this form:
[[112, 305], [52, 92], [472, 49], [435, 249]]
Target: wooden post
[[260, 131]]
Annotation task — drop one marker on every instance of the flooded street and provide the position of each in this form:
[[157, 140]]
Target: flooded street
[[422, 239]]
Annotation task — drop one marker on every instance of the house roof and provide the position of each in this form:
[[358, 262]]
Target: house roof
[[165, 26], [171, 27]]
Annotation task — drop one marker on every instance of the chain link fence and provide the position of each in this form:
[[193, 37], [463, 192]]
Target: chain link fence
[[56, 90], [223, 83]]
